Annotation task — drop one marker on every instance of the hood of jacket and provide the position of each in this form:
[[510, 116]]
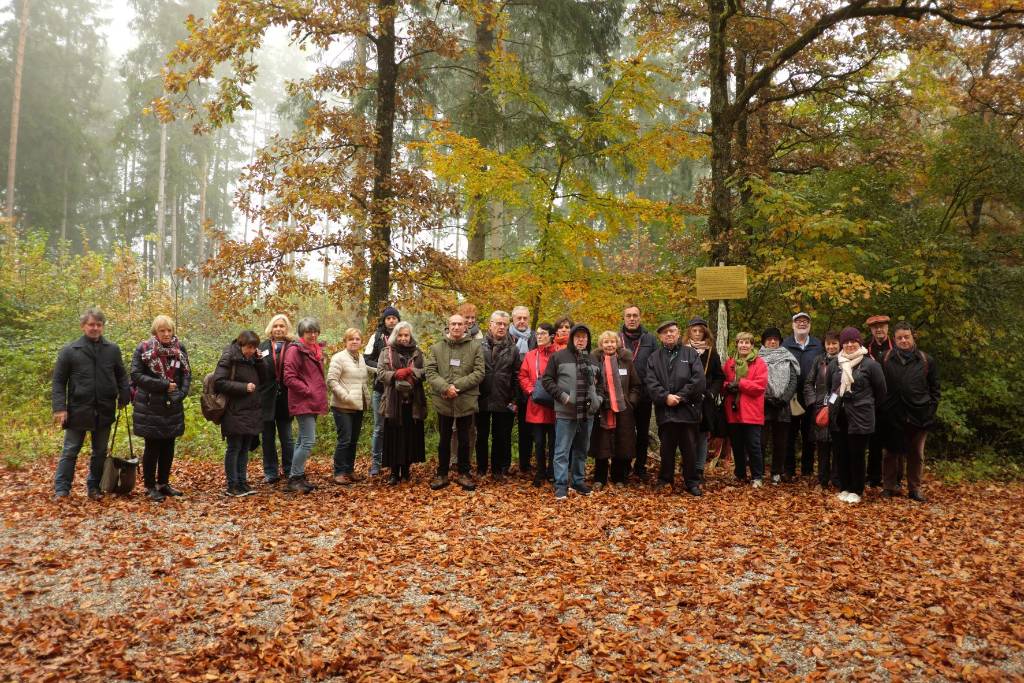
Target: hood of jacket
[[572, 334]]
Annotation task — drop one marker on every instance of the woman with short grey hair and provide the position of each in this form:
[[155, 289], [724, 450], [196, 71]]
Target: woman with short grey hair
[[307, 396]]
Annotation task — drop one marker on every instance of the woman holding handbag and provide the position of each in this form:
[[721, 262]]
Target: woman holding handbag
[[403, 404], [540, 411], [857, 385], [161, 377]]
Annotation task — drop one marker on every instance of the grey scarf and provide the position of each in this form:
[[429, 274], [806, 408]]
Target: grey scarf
[[522, 339], [780, 364]]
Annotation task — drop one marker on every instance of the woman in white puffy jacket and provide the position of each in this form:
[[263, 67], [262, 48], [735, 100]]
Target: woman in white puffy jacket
[[349, 396]]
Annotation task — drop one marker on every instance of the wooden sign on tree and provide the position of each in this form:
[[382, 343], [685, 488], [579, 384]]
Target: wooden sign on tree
[[722, 282]]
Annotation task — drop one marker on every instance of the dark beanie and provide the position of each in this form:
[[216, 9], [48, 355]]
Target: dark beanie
[[771, 332], [390, 310], [850, 334]]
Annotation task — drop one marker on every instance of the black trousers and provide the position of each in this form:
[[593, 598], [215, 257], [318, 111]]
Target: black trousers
[[778, 434], [619, 470], [802, 426], [828, 464], [746, 450], [682, 436], [544, 441], [156, 461], [642, 415], [501, 441], [525, 438], [461, 426], [875, 445], [851, 460]]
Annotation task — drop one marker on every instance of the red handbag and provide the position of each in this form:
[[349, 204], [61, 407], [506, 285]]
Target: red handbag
[[821, 419]]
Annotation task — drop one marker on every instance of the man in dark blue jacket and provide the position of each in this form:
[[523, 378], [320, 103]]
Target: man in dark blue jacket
[[89, 385], [805, 349]]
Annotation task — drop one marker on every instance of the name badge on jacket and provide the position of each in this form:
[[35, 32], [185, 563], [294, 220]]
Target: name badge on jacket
[[624, 372], [455, 362]]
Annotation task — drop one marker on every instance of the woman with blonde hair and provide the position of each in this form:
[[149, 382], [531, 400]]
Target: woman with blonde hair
[[161, 376], [349, 397], [613, 438], [746, 379], [277, 423]]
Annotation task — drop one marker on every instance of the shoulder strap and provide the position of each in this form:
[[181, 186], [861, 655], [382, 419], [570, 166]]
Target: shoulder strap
[[924, 359], [885, 358]]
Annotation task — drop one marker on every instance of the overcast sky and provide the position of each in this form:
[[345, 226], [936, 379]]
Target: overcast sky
[[120, 37]]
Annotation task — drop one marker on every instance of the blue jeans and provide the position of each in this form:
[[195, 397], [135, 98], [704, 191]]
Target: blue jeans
[[236, 459], [348, 425], [73, 440], [702, 450], [572, 440], [307, 437], [377, 443], [272, 430]]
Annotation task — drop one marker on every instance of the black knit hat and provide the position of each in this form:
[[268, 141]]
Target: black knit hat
[[771, 332]]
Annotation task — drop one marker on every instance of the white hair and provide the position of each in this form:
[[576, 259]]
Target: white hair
[[500, 314], [403, 325], [524, 309]]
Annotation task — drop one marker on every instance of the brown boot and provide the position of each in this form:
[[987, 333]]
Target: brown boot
[[466, 482], [343, 479], [439, 483]]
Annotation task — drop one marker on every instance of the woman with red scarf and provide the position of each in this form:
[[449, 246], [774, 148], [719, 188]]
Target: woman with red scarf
[[613, 438], [562, 327], [307, 396], [540, 416], [160, 376]]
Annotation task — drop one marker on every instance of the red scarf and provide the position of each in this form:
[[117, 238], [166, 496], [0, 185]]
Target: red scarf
[[315, 349], [611, 373]]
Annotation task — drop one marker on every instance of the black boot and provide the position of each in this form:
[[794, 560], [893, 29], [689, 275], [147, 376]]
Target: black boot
[[295, 485]]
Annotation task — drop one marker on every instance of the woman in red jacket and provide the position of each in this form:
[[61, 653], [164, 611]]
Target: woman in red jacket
[[746, 378], [540, 416], [307, 396]]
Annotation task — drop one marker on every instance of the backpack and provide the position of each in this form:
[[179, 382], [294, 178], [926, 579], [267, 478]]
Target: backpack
[[214, 404], [119, 473]]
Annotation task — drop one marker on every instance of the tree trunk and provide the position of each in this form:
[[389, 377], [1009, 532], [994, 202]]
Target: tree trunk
[[720, 210], [19, 67], [479, 220], [201, 232], [174, 233], [64, 208], [161, 207], [384, 128]]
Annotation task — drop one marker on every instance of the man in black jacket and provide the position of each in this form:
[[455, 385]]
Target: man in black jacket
[[497, 400], [378, 341], [879, 345], [641, 344], [89, 384], [675, 382], [912, 382]]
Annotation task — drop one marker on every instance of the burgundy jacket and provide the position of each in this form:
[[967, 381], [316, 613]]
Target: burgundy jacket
[[304, 378]]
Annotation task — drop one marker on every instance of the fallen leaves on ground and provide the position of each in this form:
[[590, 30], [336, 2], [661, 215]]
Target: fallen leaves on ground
[[505, 584]]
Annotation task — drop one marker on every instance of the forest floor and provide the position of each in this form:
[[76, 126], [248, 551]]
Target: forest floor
[[374, 583]]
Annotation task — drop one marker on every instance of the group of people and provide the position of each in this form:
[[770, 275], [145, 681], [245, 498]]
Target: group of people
[[574, 399]]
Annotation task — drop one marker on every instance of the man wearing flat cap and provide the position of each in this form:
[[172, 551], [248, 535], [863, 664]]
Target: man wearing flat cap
[[675, 381], [805, 349], [879, 346]]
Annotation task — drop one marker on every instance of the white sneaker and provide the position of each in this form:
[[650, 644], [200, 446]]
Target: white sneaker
[[853, 498], [758, 483], [843, 495], [776, 478]]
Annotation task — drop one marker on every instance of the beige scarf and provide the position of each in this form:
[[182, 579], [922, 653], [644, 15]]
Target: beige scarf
[[847, 363]]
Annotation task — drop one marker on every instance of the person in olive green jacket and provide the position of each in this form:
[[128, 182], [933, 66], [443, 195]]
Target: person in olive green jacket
[[455, 369]]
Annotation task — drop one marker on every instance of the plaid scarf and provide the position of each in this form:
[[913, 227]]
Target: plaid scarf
[[163, 360], [582, 384]]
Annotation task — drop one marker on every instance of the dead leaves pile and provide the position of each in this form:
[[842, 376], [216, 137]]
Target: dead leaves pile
[[373, 583]]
